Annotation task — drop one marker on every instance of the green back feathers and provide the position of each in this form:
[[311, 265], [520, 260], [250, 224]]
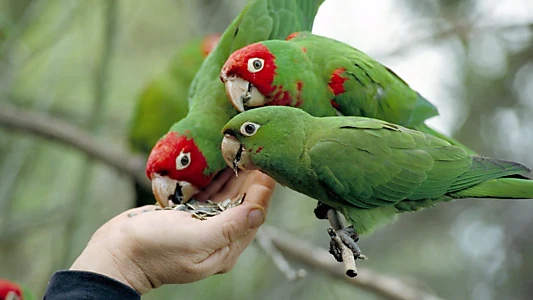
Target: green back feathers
[[372, 90]]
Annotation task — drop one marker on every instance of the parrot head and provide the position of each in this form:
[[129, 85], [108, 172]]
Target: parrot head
[[176, 168], [248, 75], [10, 290], [262, 137]]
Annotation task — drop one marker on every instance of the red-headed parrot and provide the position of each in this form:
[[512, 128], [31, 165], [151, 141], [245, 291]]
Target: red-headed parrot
[[324, 77], [164, 101], [187, 158]]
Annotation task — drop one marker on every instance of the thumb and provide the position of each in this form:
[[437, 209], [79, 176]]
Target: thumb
[[231, 225], [236, 222]]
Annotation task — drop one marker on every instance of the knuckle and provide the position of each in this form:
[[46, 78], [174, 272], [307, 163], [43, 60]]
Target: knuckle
[[230, 231]]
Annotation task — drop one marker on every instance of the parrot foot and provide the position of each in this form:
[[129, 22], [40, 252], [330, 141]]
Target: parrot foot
[[350, 237], [343, 247], [321, 211]]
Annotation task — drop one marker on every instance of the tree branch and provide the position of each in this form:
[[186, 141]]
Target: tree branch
[[65, 133], [386, 286]]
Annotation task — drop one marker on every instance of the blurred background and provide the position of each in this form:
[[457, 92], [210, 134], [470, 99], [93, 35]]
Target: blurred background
[[86, 62]]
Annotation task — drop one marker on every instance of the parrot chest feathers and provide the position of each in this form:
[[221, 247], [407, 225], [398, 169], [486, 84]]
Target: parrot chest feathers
[[283, 97]]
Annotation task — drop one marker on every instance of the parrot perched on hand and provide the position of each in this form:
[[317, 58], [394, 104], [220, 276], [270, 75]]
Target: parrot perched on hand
[[185, 160], [367, 169], [12, 291], [164, 101], [324, 77]]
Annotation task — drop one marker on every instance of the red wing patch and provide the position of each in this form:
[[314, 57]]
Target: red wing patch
[[336, 84], [292, 35], [335, 105], [258, 150]]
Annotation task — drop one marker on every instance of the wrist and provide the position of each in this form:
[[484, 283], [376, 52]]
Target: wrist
[[99, 259]]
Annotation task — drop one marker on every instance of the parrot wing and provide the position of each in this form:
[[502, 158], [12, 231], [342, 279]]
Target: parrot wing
[[380, 93], [371, 163], [362, 86]]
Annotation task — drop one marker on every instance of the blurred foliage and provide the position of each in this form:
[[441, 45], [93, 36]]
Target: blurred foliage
[[86, 61]]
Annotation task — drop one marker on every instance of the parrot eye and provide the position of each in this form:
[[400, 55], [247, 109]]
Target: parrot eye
[[249, 128], [255, 64], [183, 160]]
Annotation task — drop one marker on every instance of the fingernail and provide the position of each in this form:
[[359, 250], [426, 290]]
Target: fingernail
[[255, 218]]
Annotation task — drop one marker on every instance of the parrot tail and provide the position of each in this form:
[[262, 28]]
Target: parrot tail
[[493, 178], [504, 188], [426, 129]]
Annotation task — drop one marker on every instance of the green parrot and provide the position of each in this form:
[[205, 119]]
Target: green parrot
[[324, 77], [367, 169], [12, 291], [185, 160], [164, 101]]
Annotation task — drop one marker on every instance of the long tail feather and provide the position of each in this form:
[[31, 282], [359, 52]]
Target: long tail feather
[[504, 188]]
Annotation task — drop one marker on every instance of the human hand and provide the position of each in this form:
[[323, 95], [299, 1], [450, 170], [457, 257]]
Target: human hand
[[170, 247]]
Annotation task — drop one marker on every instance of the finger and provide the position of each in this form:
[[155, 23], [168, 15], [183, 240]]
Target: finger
[[224, 259], [216, 185], [260, 179], [232, 187]]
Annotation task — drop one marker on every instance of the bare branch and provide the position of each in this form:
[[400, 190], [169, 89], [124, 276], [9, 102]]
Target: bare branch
[[265, 242], [63, 132], [386, 286]]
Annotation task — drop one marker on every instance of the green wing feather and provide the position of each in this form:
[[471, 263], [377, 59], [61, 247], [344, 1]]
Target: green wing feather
[[371, 89], [388, 163], [372, 170], [391, 164]]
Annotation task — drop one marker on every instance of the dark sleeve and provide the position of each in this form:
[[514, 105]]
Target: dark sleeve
[[87, 285]]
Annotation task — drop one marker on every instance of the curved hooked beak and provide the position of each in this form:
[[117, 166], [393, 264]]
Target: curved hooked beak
[[242, 93], [235, 154], [168, 191]]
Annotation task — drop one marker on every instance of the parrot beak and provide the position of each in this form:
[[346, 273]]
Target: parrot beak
[[168, 191], [235, 155], [242, 93], [11, 295]]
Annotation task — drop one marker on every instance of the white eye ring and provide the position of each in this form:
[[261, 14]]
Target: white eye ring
[[249, 128], [255, 64], [183, 160]]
